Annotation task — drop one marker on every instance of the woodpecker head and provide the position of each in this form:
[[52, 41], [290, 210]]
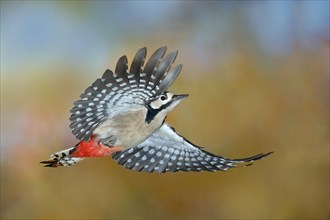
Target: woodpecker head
[[159, 107]]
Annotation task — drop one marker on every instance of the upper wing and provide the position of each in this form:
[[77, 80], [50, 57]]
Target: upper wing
[[166, 151], [116, 92]]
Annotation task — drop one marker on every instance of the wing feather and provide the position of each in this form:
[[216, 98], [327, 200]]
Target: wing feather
[[152, 64], [136, 66], [161, 70], [109, 80], [121, 72], [111, 93], [166, 151], [169, 78]]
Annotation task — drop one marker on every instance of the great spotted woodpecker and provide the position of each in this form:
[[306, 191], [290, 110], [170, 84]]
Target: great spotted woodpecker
[[123, 114]]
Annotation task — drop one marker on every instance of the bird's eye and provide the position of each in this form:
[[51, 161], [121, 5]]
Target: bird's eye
[[163, 97]]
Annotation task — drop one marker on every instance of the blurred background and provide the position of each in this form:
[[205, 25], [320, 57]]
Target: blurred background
[[258, 77]]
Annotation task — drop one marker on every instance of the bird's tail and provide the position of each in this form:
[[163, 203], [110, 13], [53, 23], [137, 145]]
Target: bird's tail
[[70, 156], [62, 158]]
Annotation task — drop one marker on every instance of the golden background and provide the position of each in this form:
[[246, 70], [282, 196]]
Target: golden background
[[258, 78]]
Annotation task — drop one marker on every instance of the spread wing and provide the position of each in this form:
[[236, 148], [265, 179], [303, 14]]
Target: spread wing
[[119, 91], [166, 151]]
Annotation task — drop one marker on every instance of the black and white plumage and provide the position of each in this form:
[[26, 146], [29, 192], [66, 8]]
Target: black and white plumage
[[116, 92], [166, 151], [123, 114]]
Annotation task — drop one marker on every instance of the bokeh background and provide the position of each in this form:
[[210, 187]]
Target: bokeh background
[[258, 77]]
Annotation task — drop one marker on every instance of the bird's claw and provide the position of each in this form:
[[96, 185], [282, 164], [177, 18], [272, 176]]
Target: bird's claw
[[109, 141]]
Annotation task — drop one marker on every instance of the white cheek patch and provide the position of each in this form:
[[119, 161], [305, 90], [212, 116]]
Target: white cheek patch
[[156, 104]]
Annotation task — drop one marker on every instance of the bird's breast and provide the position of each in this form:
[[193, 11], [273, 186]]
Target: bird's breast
[[129, 128]]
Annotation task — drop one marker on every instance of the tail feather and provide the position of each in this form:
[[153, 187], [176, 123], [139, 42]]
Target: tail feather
[[70, 156], [62, 158]]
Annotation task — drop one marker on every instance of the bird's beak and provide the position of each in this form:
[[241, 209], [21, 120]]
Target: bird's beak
[[179, 97]]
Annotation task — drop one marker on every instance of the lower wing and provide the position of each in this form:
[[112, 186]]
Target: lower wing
[[166, 151]]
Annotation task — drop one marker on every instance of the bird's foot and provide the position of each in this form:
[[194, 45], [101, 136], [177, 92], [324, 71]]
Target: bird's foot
[[109, 141]]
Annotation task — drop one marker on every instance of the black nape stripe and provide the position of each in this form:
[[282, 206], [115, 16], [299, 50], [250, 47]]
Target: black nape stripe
[[151, 114]]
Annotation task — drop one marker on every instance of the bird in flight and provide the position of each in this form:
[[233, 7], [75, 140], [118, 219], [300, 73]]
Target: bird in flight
[[123, 114]]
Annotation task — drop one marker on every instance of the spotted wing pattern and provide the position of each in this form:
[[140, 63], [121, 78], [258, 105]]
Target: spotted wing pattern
[[116, 92], [166, 151]]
